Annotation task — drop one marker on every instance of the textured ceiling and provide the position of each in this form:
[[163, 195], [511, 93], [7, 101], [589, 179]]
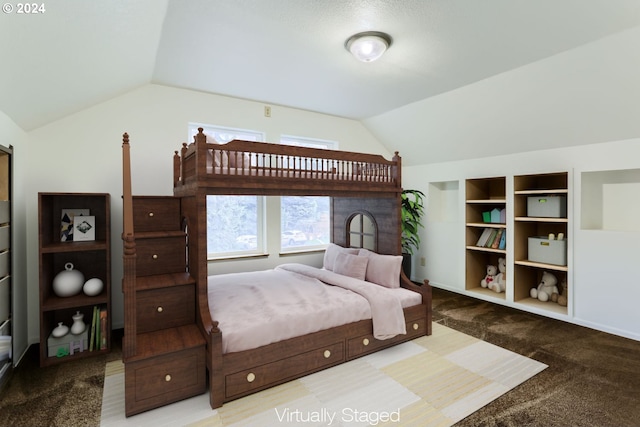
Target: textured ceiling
[[283, 52]]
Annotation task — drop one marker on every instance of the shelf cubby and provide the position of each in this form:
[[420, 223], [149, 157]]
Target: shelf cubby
[[92, 258], [482, 195]]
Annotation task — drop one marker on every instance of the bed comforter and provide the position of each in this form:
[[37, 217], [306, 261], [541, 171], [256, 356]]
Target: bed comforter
[[258, 308]]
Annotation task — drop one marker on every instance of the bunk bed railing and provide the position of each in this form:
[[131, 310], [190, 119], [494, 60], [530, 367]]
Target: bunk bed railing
[[245, 160], [129, 254]]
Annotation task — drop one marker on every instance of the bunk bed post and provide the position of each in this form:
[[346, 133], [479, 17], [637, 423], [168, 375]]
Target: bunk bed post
[[396, 177], [176, 168], [183, 154], [201, 152], [396, 170], [129, 255]]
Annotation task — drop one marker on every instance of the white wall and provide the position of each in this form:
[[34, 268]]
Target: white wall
[[82, 153], [587, 95], [12, 135], [603, 262]]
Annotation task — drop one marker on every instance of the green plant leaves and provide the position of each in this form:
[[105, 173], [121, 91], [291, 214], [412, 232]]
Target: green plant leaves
[[412, 212]]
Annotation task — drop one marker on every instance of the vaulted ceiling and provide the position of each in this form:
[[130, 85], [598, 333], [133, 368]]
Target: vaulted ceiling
[[282, 52]]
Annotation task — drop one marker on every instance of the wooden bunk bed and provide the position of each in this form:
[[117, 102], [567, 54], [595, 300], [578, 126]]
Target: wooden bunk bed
[[359, 184]]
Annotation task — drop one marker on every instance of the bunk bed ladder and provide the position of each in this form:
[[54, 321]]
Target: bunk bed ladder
[[163, 348]]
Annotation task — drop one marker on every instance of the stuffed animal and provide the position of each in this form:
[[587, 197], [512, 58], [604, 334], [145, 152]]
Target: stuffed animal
[[546, 288], [490, 277], [500, 282], [562, 298]]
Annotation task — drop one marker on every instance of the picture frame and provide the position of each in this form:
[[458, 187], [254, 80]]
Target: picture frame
[[84, 228], [66, 222]]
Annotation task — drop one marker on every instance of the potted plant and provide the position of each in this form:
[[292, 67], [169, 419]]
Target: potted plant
[[412, 212]]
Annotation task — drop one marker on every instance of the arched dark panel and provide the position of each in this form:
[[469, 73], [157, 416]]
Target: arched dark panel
[[362, 231], [385, 213]]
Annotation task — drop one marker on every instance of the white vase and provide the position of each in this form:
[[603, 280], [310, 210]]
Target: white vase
[[60, 330], [78, 326], [68, 282]]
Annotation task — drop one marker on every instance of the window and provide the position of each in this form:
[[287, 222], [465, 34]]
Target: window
[[235, 224], [305, 220], [363, 232], [222, 135], [308, 142]]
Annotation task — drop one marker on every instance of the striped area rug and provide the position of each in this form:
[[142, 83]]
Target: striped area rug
[[430, 381]]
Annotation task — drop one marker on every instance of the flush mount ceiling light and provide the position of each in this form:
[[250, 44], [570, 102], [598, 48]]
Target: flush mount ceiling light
[[368, 46]]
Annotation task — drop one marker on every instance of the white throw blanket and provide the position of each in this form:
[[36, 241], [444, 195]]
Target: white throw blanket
[[386, 309]]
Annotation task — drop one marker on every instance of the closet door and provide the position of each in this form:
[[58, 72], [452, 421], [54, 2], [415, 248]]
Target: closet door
[[6, 350]]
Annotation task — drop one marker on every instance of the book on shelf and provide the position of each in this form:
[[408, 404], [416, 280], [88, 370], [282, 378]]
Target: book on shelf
[[496, 241], [93, 327], [103, 328], [492, 237], [503, 240], [98, 331], [483, 237]]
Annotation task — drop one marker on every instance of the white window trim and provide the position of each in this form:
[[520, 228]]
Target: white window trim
[[260, 202], [300, 141]]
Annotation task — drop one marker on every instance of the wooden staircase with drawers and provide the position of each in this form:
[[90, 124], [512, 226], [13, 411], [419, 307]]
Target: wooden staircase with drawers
[[162, 348]]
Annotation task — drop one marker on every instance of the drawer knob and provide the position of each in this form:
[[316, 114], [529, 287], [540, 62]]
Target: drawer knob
[[160, 309], [327, 354], [415, 326], [167, 378], [154, 256], [365, 341], [251, 377], [150, 213]]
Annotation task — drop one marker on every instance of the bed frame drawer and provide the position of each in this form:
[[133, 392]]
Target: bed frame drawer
[[160, 255], [368, 344], [164, 379], [165, 308], [250, 380], [156, 214]]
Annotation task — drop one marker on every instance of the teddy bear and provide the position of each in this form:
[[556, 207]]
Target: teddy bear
[[562, 298], [500, 282], [546, 288], [490, 277]]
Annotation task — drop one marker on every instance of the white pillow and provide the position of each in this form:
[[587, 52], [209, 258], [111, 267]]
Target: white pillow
[[351, 265], [332, 251], [383, 270]]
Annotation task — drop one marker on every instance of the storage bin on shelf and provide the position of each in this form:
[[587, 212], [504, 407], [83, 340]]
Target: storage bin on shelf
[[68, 344], [546, 251], [547, 206]]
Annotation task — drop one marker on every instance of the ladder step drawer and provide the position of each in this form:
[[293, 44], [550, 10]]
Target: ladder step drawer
[[165, 308], [161, 255]]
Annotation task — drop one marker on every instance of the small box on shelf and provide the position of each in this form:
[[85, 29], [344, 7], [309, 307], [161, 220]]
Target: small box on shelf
[[546, 251], [547, 206], [495, 216], [68, 344]]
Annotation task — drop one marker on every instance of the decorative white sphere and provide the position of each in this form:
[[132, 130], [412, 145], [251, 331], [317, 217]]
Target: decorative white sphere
[[68, 282], [93, 287]]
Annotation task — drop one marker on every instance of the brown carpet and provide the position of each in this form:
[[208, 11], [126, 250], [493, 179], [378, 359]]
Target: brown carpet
[[65, 395], [593, 378]]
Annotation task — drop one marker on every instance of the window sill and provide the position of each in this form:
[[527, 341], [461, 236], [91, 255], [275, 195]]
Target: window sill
[[301, 251], [237, 257]]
